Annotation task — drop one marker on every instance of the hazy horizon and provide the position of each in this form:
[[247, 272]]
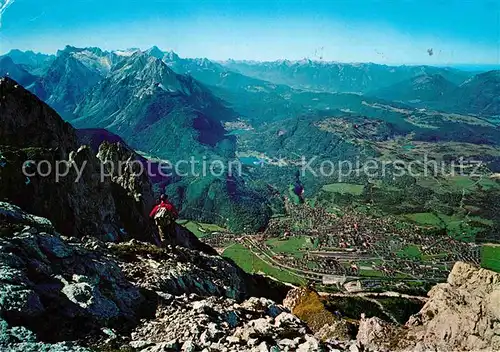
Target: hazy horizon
[[460, 66], [393, 33]]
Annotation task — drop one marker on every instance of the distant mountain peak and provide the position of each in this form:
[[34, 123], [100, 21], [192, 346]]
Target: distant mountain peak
[[306, 61], [479, 94], [34, 63], [149, 74], [488, 76], [10, 69], [284, 62], [18, 52], [15, 52], [331, 76], [205, 63], [67, 50], [74, 50], [155, 52], [171, 56], [127, 52], [4, 60], [426, 78], [424, 87], [493, 73]]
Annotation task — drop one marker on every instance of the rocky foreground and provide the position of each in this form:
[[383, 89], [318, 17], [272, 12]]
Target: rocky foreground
[[134, 296], [80, 270]]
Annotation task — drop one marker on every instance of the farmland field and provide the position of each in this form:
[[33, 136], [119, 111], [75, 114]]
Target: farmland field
[[250, 263], [490, 257]]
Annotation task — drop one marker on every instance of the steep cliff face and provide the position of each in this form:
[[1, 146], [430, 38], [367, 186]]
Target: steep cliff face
[[462, 314], [44, 171], [26, 121], [65, 83], [130, 188]]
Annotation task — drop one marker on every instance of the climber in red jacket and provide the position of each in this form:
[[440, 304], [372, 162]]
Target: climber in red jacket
[[164, 203], [164, 216]]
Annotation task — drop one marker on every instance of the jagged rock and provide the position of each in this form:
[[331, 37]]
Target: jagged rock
[[88, 296], [264, 305], [462, 314], [75, 208], [131, 189], [91, 200], [20, 339], [13, 215], [81, 198], [293, 298], [101, 289], [177, 270], [377, 334], [220, 324], [339, 330], [309, 345], [45, 278], [20, 302]]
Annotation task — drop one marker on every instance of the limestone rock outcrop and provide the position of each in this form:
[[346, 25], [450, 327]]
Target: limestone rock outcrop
[[462, 314]]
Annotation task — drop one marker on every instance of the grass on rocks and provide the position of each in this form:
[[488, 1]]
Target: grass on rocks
[[311, 309]]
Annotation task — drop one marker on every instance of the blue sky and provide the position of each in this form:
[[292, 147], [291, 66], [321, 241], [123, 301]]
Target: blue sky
[[390, 31]]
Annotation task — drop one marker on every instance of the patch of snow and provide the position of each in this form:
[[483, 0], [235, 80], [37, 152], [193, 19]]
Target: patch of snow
[[125, 53]]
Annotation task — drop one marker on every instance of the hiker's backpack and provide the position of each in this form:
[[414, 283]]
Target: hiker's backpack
[[164, 217]]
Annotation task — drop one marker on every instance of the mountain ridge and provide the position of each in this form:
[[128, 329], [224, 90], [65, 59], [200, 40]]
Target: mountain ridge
[[425, 87], [338, 77], [160, 92]]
